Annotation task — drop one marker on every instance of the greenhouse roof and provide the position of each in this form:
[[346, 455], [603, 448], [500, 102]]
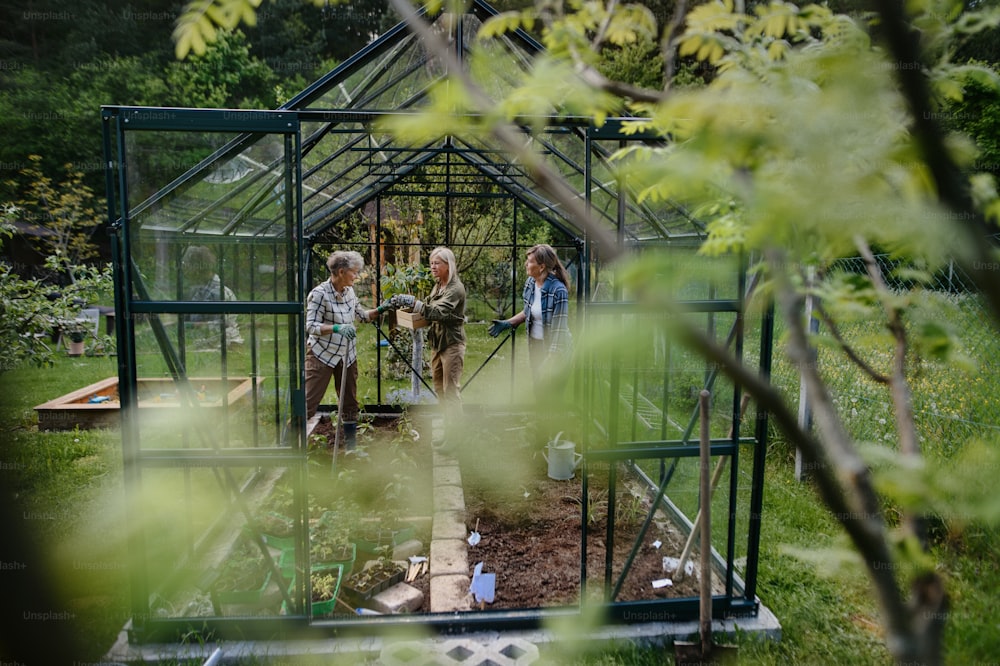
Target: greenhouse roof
[[236, 187]]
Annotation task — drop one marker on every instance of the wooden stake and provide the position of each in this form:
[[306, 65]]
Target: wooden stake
[[344, 604], [705, 615], [716, 477]]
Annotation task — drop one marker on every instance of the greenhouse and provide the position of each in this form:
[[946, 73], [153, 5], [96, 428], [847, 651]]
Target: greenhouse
[[223, 221]]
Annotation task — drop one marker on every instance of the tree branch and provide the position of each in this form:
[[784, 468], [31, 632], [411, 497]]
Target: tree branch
[[899, 387], [979, 259], [846, 348], [667, 43], [602, 30], [595, 79]]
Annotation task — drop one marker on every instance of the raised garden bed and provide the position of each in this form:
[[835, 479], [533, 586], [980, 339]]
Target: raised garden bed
[[535, 551], [98, 405]]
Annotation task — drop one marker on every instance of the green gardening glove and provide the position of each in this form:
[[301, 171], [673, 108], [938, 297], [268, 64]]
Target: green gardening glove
[[346, 330]]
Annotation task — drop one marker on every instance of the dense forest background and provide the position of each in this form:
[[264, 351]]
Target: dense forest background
[[60, 60]]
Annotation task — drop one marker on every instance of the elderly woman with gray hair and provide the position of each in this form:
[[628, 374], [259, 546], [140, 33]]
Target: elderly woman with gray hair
[[332, 307]]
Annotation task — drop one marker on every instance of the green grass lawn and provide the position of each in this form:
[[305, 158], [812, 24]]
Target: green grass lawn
[[66, 490]]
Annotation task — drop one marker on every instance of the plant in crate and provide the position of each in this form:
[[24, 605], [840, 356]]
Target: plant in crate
[[274, 518], [243, 578], [380, 574], [329, 541], [325, 585]]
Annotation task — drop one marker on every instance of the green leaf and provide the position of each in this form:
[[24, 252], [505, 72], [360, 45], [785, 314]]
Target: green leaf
[[935, 340], [501, 24], [713, 17]]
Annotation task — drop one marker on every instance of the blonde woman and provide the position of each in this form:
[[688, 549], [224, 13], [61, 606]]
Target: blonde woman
[[444, 309]]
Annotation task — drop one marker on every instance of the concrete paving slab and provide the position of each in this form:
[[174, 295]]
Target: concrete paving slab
[[447, 475], [449, 556], [450, 593], [400, 598], [449, 498], [466, 651], [449, 525], [444, 458]]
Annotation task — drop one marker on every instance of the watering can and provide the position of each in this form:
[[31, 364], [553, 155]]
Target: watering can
[[562, 459]]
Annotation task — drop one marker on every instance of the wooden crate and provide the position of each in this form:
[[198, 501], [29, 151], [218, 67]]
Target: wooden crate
[[410, 320]]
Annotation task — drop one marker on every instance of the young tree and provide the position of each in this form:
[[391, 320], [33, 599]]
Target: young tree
[[811, 139], [31, 310], [65, 215], [225, 75], [809, 142]]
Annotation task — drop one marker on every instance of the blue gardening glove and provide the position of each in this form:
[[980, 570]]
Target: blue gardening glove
[[346, 330], [499, 326], [402, 301]]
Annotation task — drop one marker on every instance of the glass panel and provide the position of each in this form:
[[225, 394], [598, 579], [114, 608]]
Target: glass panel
[[644, 395], [382, 83], [498, 65], [647, 390], [680, 272], [224, 183], [231, 396], [648, 221], [191, 267], [201, 558]]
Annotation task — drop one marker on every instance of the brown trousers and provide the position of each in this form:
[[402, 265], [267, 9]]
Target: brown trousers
[[318, 376], [446, 371]]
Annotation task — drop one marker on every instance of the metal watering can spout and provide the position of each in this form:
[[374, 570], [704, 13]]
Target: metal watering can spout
[[562, 458]]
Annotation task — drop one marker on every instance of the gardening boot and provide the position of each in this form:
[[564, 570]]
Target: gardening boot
[[350, 435]]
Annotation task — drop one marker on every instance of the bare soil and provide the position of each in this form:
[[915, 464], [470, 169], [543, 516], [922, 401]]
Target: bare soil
[[530, 524], [534, 548]]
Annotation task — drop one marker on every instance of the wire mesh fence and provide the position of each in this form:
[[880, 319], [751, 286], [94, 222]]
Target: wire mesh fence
[[954, 400]]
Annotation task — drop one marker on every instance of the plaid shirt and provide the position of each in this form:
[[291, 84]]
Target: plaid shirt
[[555, 313], [325, 306]]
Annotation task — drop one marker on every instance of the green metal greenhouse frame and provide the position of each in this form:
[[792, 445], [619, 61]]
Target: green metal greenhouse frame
[[268, 192]]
